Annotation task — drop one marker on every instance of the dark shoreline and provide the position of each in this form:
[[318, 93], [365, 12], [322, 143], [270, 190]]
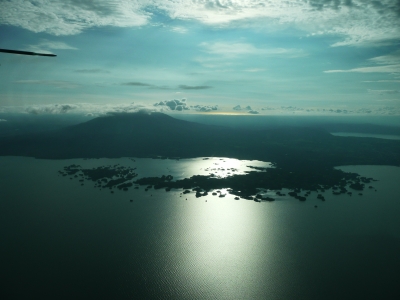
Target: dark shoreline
[[250, 186], [304, 157]]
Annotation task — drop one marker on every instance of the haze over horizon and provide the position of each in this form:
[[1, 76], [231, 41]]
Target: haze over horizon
[[317, 57]]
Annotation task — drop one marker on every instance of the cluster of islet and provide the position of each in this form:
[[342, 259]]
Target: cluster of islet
[[252, 185]]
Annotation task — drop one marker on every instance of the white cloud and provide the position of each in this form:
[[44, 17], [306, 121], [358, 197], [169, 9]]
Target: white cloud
[[381, 81], [3, 120], [254, 70], [389, 59], [47, 45], [384, 92], [230, 49], [234, 49], [223, 54], [66, 17], [359, 22], [376, 69], [389, 63], [179, 29]]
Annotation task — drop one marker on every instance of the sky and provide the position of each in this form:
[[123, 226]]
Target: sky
[[201, 56]]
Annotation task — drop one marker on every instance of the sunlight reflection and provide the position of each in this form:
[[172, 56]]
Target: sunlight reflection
[[221, 167], [219, 236]]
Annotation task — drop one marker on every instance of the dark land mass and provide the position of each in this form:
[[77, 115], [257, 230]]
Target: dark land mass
[[18, 124], [303, 158], [249, 186], [157, 134], [104, 177], [355, 124]]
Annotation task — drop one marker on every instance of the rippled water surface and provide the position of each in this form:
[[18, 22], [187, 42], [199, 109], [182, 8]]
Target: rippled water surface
[[61, 240]]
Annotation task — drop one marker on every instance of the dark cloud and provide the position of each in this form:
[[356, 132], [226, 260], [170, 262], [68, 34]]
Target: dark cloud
[[148, 85], [141, 111], [159, 87], [253, 112], [101, 8], [177, 105], [335, 4], [194, 87], [91, 71], [291, 108], [163, 87], [205, 108], [135, 83], [382, 6], [88, 109], [238, 107], [181, 105], [51, 109]]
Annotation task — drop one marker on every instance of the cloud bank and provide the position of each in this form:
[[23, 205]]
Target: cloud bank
[[357, 21], [89, 109], [181, 106], [51, 109], [97, 109], [68, 17], [205, 108]]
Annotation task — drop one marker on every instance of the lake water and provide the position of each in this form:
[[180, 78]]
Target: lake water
[[60, 240], [378, 136]]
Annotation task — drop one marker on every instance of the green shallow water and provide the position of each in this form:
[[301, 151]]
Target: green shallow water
[[65, 241]]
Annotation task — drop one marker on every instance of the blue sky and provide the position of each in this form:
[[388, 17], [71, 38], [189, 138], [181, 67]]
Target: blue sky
[[269, 57]]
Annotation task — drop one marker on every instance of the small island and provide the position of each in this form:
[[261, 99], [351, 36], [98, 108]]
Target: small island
[[252, 185]]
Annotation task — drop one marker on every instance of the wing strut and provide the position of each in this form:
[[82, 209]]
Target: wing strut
[[26, 53]]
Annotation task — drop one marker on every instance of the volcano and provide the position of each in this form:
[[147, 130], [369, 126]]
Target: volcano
[[160, 135]]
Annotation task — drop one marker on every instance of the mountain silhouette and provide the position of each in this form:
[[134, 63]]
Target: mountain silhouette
[[157, 134]]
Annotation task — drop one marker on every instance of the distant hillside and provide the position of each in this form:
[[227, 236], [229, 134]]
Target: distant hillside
[[157, 134]]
